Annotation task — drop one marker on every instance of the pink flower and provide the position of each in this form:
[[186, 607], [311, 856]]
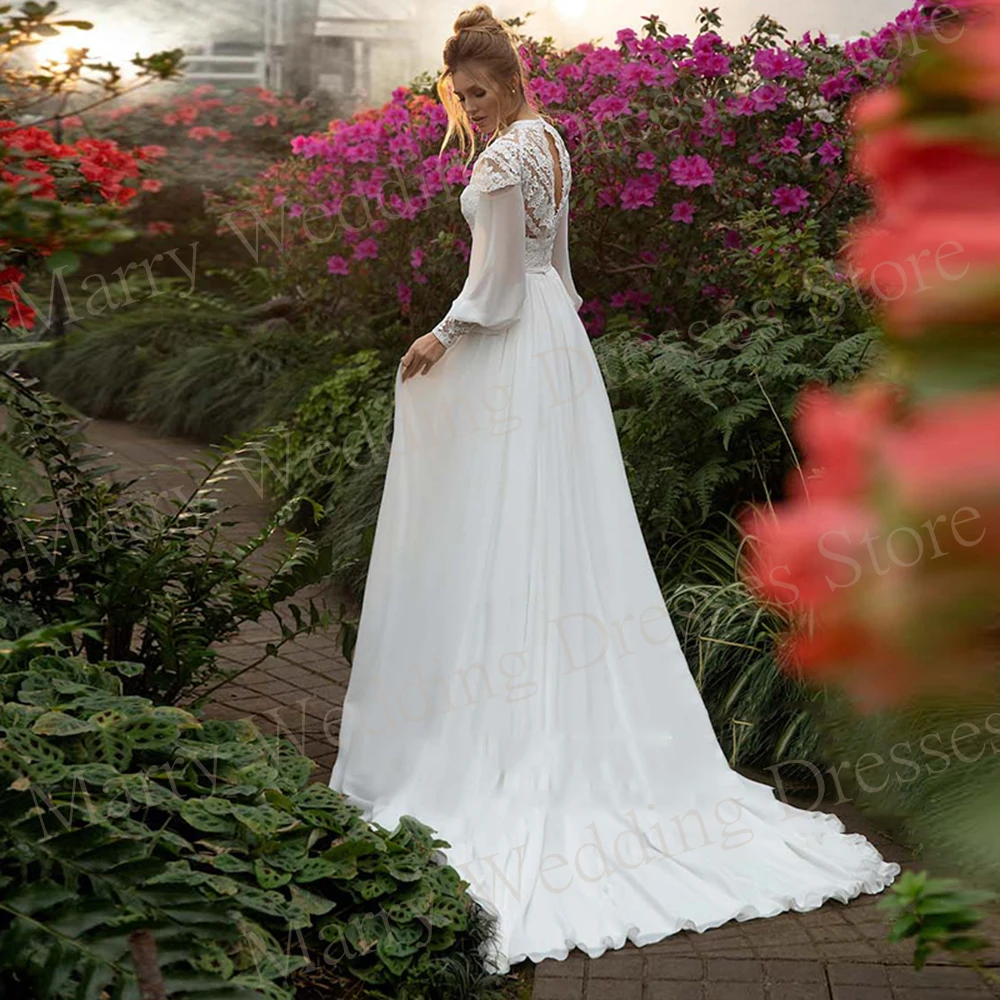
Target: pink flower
[[828, 153], [608, 106], [405, 295], [646, 161], [691, 171], [768, 97], [366, 250], [674, 43], [640, 192], [836, 86], [741, 106], [636, 74], [683, 211], [337, 265], [607, 197], [549, 92], [787, 144], [790, 198], [628, 38], [705, 42], [417, 258], [712, 64], [772, 63]]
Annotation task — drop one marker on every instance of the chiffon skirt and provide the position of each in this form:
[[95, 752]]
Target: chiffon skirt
[[518, 686]]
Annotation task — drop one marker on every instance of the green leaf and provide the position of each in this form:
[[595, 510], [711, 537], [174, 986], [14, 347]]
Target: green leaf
[[268, 877], [61, 724], [65, 260], [231, 863], [205, 817], [262, 820], [39, 896]]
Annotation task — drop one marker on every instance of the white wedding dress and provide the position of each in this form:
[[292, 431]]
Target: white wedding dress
[[517, 684]]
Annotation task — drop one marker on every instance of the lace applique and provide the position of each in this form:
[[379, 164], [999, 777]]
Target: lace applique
[[449, 330], [543, 193], [498, 166]]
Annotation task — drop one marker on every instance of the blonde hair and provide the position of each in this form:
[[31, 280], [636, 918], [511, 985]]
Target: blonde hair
[[486, 49]]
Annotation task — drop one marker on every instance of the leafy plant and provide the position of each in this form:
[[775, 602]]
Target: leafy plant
[[936, 913], [334, 450], [762, 716], [936, 772], [119, 814], [730, 389], [160, 585]]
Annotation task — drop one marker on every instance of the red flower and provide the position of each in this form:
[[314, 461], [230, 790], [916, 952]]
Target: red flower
[[949, 452], [840, 435], [151, 152], [801, 554]]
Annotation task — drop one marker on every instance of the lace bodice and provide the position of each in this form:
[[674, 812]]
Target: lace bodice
[[524, 153], [517, 209]]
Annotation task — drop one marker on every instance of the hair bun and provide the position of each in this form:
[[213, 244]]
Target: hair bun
[[478, 18]]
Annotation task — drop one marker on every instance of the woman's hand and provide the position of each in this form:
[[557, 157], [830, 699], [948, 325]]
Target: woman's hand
[[423, 354]]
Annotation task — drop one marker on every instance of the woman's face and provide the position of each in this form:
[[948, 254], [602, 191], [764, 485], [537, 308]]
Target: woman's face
[[481, 105]]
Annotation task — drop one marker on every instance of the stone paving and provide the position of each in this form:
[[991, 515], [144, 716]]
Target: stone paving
[[838, 952], [835, 953]]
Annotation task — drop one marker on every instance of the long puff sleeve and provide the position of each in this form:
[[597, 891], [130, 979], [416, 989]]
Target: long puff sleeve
[[560, 258], [493, 295]]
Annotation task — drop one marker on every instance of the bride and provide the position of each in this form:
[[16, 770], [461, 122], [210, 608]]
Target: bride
[[517, 683]]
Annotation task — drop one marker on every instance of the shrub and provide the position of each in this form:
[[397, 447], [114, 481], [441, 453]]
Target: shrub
[[673, 139], [161, 585], [202, 365], [118, 815], [730, 390], [334, 450], [205, 140]]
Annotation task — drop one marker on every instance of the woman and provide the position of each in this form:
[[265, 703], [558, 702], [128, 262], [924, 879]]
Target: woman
[[517, 683]]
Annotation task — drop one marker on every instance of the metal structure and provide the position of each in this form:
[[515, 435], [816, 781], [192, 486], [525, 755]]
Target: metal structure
[[256, 57], [348, 47], [213, 67]]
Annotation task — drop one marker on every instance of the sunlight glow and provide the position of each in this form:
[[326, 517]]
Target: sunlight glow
[[117, 43], [570, 8]]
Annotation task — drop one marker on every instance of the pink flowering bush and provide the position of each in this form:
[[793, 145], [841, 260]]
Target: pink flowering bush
[[673, 140]]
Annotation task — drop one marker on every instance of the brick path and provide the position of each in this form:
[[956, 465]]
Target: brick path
[[835, 953]]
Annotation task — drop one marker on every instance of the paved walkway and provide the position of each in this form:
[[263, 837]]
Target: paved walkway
[[835, 953]]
